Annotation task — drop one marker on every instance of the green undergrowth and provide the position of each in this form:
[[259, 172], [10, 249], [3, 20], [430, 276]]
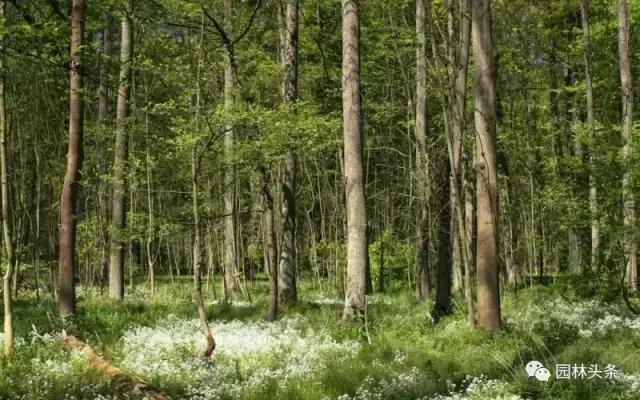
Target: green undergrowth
[[400, 354]]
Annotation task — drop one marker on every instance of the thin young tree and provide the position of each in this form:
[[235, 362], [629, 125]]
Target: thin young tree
[[121, 155], [287, 275], [198, 260], [103, 123], [422, 161], [75, 156], [230, 219], [486, 168], [357, 252], [458, 58], [229, 40], [591, 127], [6, 201]]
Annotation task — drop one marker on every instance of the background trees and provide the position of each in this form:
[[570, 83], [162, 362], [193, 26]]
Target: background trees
[[270, 112]]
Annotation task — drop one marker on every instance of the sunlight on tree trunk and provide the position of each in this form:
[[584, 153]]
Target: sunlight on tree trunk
[[287, 275], [486, 170], [422, 159], [355, 302], [6, 200]]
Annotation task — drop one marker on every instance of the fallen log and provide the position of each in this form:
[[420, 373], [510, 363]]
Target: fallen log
[[118, 377]]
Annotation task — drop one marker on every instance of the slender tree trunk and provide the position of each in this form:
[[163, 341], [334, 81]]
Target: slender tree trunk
[[75, 156], [210, 343], [6, 201], [486, 169], [627, 152], [230, 220], [151, 257], [198, 262], [271, 251], [593, 191], [287, 274], [459, 62], [118, 206], [356, 300], [103, 117], [36, 248], [422, 161]]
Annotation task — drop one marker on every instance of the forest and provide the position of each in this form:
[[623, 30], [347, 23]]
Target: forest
[[319, 199]]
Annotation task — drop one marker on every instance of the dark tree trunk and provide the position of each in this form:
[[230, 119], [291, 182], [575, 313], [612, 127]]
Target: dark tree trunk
[[443, 281]]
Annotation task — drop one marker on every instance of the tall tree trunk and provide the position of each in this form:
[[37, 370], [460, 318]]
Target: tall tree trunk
[[459, 62], [356, 300], [627, 152], [591, 125], [103, 117], [230, 219], [486, 169], [422, 161], [75, 156], [287, 276], [118, 205], [6, 201]]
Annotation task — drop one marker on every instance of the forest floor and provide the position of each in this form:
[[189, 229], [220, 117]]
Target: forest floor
[[308, 354]]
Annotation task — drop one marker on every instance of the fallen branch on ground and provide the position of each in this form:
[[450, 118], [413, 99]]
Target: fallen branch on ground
[[121, 379]]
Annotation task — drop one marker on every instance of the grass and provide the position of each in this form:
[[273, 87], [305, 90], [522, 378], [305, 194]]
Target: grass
[[408, 357]]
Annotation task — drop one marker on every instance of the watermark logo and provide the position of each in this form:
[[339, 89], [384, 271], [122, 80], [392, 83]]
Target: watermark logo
[[588, 372], [537, 370]]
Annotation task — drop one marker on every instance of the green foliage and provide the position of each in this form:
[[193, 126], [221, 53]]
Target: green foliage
[[399, 259]]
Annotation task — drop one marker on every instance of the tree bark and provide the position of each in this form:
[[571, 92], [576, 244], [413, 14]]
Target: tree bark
[[75, 156], [626, 126], [230, 220], [118, 205], [356, 300], [459, 62], [6, 201], [287, 274], [486, 169], [422, 162]]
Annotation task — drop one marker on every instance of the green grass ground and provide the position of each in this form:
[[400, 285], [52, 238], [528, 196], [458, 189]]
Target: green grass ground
[[308, 354]]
